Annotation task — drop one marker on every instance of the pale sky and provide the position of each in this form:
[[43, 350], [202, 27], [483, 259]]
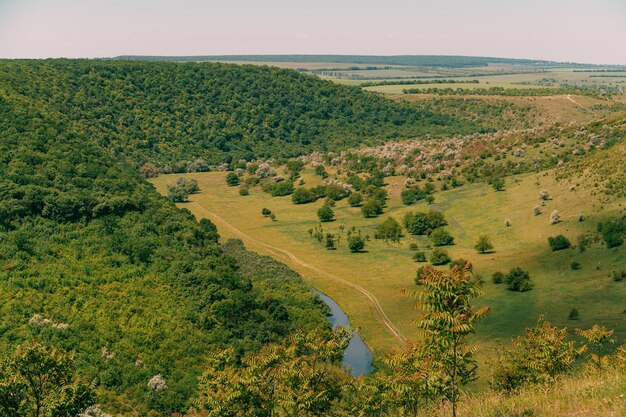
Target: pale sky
[[588, 31]]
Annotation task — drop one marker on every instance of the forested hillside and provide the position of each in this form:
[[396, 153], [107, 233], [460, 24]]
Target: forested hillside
[[172, 114], [93, 260]]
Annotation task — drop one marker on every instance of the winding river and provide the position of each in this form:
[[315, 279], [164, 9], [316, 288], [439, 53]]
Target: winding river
[[357, 356]]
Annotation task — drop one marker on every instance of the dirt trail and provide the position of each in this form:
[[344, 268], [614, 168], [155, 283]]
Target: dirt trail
[[569, 97], [380, 313]]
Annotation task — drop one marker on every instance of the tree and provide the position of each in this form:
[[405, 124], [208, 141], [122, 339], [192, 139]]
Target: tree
[[498, 184], [518, 280], [419, 256], [439, 257], [597, 338], [542, 354], [232, 179], [613, 232], [441, 237], [389, 229], [555, 217], [559, 242], [447, 318], [266, 212], [372, 208], [423, 223], [38, 381], [484, 244], [412, 195], [325, 213], [573, 314], [321, 171], [497, 277], [356, 243], [355, 199], [330, 241], [302, 196], [148, 170]]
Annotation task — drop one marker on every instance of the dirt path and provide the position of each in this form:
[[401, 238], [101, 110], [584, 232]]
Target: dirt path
[[569, 97], [380, 313]]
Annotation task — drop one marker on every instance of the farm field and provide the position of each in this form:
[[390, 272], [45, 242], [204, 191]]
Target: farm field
[[386, 268]]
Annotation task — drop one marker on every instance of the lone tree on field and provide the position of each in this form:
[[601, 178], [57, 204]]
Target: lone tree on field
[[232, 179], [447, 318], [325, 213], [356, 243], [266, 212], [555, 217], [484, 244]]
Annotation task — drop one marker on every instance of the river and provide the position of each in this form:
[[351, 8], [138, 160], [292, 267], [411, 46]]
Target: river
[[357, 356]]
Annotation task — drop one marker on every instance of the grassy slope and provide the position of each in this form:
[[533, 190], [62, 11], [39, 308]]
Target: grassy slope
[[472, 209]]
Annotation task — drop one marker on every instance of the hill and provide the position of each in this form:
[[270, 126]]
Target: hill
[[185, 116], [93, 260], [449, 61]]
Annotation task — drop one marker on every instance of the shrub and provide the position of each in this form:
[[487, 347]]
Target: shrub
[[613, 232], [518, 280], [507, 222], [321, 171], [419, 256], [619, 276], [389, 229], [575, 266], [355, 199], [498, 184], [424, 223], [232, 179], [484, 244], [559, 242], [430, 199], [266, 212], [458, 262], [148, 170], [441, 237], [278, 189], [537, 210], [356, 243], [244, 191], [413, 246], [325, 213], [412, 195], [372, 208], [439, 257], [330, 242], [544, 195], [302, 196], [555, 217], [497, 277], [573, 314]]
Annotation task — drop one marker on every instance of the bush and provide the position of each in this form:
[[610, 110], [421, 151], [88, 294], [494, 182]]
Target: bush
[[356, 243], [573, 314], [390, 229], [244, 191], [355, 199], [498, 184], [303, 196], [319, 170], [613, 232], [424, 223], [441, 237], [484, 244], [619, 276], [325, 213], [575, 266], [412, 195], [555, 217], [266, 212], [559, 242], [458, 262], [419, 256], [439, 257], [148, 170], [372, 208], [518, 280], [537, 210], [278, 189], [497, 277], [232, 179], [413, 246]]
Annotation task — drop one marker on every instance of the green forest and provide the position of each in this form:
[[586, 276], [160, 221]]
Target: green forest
[[178, 115], [94, 260]]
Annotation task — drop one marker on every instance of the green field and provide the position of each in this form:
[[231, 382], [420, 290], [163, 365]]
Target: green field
[[386, 268]]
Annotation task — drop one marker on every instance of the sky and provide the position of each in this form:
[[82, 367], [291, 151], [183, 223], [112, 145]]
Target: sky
[[586, 31]]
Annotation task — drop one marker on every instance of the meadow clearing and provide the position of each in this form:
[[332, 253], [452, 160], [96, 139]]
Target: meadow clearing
[[384, 269]]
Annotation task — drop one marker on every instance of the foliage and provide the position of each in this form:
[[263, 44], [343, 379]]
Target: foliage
[[447, 318], [483, 245], [419, 256], [538, 357], [278, 189], [217, 112], [597, 338], [303, 195], [298, 377], [423, 223], [388, 230], [325, 213], [613, 232], [498, 277], [232, 179], [356, 243], [37, 381], [372, 208], [439, 257], [355, 199], [441, 237], [559, 242], [412, 195], [518, 280]]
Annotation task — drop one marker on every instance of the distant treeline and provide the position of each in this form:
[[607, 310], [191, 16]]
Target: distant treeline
[[501, 91], [414, 81], [601, 70], [450, 61]]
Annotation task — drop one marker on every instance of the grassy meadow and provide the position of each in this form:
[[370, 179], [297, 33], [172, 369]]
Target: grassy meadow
[[386, 268]]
